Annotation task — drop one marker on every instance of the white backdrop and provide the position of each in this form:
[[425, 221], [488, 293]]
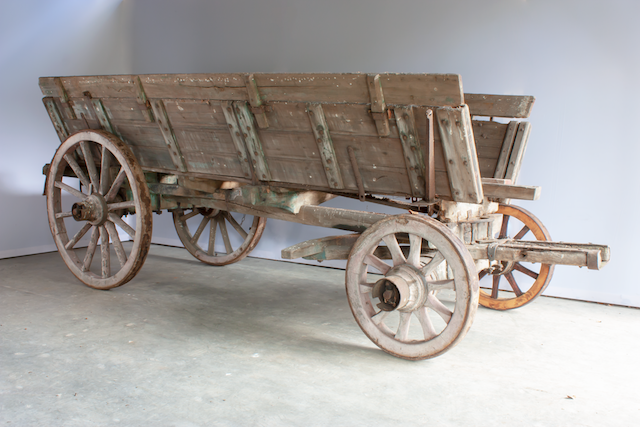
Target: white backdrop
[[579, 58]]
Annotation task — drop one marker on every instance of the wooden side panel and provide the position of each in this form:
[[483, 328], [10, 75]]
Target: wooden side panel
[[459, 149], [518, 107], [489, 137], [325, 145]]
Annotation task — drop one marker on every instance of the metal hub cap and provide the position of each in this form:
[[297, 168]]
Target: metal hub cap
[[93, 209], [404, 288]]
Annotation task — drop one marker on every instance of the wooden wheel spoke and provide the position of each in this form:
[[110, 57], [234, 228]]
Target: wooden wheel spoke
[[403, 327], [394, 248], [79, 235], [60, 215], [425, 321], [91, 166], [235, 225], [521, 233], [115, 186], [105, 255], [495, 287], [513, 284], [120, 223], [213, 226], [77, 170], [365, 288], [225, 235], [91, 249], [121, 205], [104, 171], [201, 227], [117, 244], [380, 316], [190, 215], [433, 264], [79, 194], [435, 304], [522, 269], [438, 285], [503, 228], [415, 247], [377, 263]]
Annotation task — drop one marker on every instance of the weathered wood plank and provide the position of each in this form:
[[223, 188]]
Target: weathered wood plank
[[56, 118], [169, 137], [256, 102], [456, 134], [378, 106], [236, 137], [227, 87], [325, 145], [252, 140], [515, 106], [517, 154], [318, 246], [495, 190], [301, 87], [117, 86], [422, 89], [412, 149]]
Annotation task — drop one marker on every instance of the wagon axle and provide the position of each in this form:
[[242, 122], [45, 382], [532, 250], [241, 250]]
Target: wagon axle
[[404, 288]]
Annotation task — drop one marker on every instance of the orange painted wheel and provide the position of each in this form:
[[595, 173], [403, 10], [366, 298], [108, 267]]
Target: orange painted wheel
[[523, 282]]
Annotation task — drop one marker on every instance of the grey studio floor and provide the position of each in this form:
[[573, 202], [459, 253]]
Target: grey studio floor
[[269, 343]]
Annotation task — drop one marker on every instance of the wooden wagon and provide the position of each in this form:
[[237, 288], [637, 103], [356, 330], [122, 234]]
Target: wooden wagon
[[223, 152]]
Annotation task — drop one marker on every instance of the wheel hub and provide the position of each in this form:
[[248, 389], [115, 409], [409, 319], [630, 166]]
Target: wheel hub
[[93, 209], [404, 288]]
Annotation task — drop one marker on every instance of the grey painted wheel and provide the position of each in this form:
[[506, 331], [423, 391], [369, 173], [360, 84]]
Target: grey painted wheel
[[410, 267], [199, 230], [107, 171]]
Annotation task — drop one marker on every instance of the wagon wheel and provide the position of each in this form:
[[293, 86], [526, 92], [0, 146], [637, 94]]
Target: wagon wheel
[[105, 168], [431, 276], [531, 279], [206, 222]]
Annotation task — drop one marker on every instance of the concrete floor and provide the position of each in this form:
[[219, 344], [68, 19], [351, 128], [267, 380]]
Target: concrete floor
[[269, 343]]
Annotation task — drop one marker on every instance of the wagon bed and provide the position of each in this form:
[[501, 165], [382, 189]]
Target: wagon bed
[[208, 147]]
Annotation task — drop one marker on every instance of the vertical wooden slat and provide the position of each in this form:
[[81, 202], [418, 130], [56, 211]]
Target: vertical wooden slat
[[430, 169], [101, 114], [517, 154], [458, 146], [505, 152], [56, 119], [325, 145], [356, 172], [141, 98], [167, 132], [64, 99], [236, 137], [256, 102], [252, 140], [411, 148], [378, 106]]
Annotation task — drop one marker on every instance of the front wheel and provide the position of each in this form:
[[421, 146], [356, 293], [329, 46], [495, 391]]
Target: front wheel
[[406, 268]]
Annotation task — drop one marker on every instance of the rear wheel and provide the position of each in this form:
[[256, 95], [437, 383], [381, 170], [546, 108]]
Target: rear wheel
[[217, 237], [523, 282]]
